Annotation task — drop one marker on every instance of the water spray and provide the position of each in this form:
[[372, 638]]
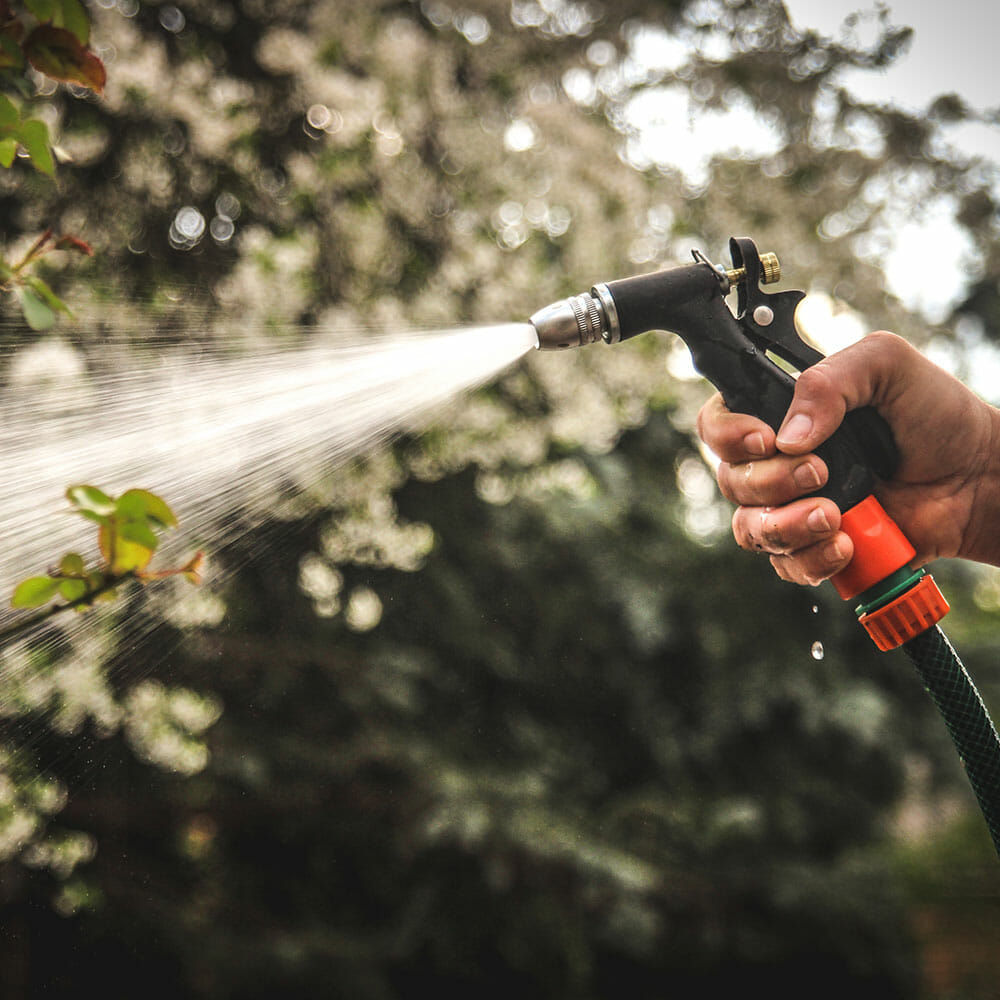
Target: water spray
[[745, 355]]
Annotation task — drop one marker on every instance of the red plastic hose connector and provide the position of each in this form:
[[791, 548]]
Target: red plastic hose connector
[[880, 551], [880, 548]]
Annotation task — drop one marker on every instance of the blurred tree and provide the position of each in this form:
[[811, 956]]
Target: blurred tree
[[553, 768], [582, 749]]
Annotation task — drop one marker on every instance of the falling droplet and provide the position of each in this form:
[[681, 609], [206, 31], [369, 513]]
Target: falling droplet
[[815, 609], [817, 650]]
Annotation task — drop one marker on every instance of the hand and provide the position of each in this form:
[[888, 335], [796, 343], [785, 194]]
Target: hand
[[945, 495]]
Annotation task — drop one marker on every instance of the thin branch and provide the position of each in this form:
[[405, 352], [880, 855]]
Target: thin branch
[[16, 628]]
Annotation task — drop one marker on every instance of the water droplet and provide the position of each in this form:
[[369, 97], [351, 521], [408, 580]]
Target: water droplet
[[817, 650], [520, 136], [228, 206], [187, 228], [815, 609], [318, 116], [221, 229], [172, 19], [475, 27]]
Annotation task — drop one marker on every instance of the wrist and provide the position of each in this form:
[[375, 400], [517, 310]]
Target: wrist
[[983, 537]]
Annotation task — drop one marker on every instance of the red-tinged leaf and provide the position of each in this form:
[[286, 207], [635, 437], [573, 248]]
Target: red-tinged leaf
[[193, 569], [106, 542], [38, 247], [57, 53], [69, 242]]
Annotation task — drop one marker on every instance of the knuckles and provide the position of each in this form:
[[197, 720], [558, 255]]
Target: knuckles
[[760, 530]]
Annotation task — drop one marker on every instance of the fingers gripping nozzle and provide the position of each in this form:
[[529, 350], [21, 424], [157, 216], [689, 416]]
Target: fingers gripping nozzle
[[576, 321]]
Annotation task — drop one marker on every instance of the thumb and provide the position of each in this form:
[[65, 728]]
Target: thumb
[[827, 390]]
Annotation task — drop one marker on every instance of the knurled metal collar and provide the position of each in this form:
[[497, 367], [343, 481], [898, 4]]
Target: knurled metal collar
[[612, 331]]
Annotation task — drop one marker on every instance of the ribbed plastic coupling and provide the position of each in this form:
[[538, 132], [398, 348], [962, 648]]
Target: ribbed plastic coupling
[[913, 612]]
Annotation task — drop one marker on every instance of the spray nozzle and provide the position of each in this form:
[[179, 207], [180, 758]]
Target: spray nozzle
[[573, 322], [674, 299], [739, 352]]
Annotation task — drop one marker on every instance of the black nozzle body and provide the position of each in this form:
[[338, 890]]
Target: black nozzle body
[[618, 310], [731, 351], [663, 300]]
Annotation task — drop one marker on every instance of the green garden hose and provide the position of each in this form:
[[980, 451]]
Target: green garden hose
[[965, 715]]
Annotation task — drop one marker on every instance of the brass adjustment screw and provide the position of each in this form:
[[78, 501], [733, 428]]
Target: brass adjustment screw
[[770, 270]]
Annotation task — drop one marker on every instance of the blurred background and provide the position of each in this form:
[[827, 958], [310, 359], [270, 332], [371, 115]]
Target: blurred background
[[500, 708]]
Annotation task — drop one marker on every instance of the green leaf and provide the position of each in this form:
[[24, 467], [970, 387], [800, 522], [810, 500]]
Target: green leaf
[[8, 150], [129, 556], [131, 505], [10, 117], [74, 19], [71, 564], [93, 516], [34, 136], [42, 290], [36, 313], [139, 533], [90, 499], [72, 590], [143, 504], [35, 591], [11, 56], [44, 10]]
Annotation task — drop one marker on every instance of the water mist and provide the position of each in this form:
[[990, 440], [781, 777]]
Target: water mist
[[213, 434]]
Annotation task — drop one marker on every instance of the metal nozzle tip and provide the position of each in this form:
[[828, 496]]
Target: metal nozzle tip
[[570, 322]]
